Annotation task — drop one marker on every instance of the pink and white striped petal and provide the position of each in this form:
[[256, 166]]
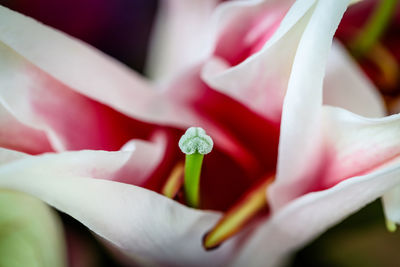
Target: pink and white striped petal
[[260, 81], [69, 63]]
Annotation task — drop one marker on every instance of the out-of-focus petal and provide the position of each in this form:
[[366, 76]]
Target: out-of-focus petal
[[145, 158], [41, 102], [18, 136], [261, 80], [170, 234], [346, 86], [301, 139], [70, 63], [79, 82], [254, 82], [308, 216], [181, 35], [242, 28], [31, 232]]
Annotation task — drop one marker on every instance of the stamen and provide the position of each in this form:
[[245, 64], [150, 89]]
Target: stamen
[[374, 28], [239, 215], [388, 67], [174, 181], [195, 144]]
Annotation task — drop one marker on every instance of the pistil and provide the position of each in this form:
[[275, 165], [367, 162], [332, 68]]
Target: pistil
[[195, 143], [239, 215]]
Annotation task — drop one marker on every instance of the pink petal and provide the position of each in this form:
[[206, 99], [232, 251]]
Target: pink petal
[[76, 80], [244, 27], [49, 63], [146, 159], [17, 136], [261, 80], [69, 119], [69, 63]]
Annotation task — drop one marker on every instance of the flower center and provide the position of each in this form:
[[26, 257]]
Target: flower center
[[195, 143]]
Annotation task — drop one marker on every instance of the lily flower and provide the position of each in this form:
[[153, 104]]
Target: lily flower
[[264, 81]]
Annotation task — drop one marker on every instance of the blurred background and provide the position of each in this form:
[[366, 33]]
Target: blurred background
[[121, 28]]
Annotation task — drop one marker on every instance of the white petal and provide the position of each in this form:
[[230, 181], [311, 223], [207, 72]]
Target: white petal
[[346, 86], [144, 225], [180, 37], [391, 204], [308, 216], [97, 164], [8, 155], [301, 125], [133, 166]]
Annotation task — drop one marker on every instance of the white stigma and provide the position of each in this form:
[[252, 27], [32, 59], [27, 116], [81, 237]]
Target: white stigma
[[195, 140]]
